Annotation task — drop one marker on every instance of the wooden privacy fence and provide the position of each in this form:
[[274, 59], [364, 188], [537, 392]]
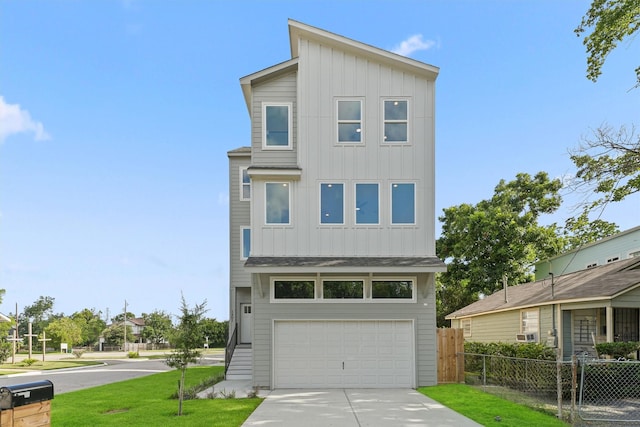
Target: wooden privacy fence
[[450, 355]]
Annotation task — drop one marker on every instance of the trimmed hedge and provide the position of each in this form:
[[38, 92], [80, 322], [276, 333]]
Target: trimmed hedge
[[617, 349], [520, 350]]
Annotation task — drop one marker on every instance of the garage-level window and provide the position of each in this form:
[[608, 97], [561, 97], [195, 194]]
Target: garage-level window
[[293, 289], [392, 289], [343, 289]]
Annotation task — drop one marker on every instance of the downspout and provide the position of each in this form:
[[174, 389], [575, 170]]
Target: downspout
[[553, 313]]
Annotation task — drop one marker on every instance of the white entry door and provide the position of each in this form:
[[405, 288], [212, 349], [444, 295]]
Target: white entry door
[[246, 320], [344, 354]]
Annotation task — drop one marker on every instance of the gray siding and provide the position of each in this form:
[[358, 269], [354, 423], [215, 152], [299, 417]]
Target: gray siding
[[238, 217], [422, 315], [325, 74], [630, 299], [280, 89]]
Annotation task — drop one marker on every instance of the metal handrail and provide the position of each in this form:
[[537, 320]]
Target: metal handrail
[[231, 346]]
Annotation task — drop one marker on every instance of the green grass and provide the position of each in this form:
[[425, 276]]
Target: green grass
[[483, 408], [146, 402]]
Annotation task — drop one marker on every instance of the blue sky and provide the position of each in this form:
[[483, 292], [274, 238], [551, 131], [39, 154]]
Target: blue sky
[[116, 116]]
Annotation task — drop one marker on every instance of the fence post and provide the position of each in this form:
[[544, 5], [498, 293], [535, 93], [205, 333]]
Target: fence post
[[559, 380], [574, 386], [484, 370]]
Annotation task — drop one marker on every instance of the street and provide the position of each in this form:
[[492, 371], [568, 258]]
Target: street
[[113, 370]]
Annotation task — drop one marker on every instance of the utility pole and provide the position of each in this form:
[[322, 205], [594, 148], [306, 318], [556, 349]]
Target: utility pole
[[125, 325]]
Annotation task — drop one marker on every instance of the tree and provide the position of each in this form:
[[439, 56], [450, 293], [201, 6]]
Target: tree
[[157, 327], [91, 324], [39, 312], [578, 231], [114, 334], [611, 21], [217, 332], [186, 339], [608, 164], [64, 330], [120, 317], [496, 238]]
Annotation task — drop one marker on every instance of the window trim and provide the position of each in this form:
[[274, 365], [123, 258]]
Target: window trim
[[272, 290], [385, 121], [328, 224], [338, 122], [289, 145], [464, 327], [414, 290], [355, 204], [242, 230], [277, 224], [415, 204], [537, 331], [243, 184]]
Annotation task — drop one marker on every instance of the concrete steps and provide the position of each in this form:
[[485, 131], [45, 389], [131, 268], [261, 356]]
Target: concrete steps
[[240, 366]]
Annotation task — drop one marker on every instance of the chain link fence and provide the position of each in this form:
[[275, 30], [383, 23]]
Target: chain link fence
[[610, 392], [582, 392]]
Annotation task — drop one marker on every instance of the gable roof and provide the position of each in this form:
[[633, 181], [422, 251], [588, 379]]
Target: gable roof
[[599, 283]]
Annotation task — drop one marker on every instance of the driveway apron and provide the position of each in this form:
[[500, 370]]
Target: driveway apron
[[354, 408]]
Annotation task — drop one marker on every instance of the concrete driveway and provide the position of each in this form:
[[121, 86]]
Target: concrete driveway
[[357, 408]]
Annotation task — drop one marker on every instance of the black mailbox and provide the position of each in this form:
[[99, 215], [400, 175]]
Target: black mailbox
[[13, 396]]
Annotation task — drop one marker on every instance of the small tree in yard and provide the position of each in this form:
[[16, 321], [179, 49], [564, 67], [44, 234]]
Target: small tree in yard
[[186, 340]]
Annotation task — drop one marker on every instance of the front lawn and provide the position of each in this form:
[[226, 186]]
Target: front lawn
[[147, 401], [487, 409]]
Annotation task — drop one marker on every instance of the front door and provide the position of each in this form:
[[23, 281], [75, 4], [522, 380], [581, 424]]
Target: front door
[[246, 321]]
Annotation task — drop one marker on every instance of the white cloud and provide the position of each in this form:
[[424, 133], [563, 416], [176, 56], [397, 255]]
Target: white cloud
[[14, 120], [412, 44]]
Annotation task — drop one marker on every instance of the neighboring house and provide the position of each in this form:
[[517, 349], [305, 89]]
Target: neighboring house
[[599, 304], [137, 326], [332, 219], [623, 245]]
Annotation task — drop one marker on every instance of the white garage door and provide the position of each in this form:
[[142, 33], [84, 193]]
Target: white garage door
[[343, 354]]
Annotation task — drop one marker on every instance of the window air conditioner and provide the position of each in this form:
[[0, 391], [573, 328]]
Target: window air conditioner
[[530, 337]]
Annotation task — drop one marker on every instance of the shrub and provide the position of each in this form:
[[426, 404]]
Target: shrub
[[29, 362], [133, 355], [617, 349], [78, 353]]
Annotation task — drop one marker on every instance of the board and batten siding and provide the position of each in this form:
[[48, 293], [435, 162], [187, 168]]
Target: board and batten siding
[[279, 89], [239, 217], [422, 312], [324, 75]]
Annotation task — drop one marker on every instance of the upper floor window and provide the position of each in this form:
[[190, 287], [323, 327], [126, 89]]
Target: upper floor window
[[276, 126], [245, 184], [403, 203], [367, 203], [277, 202], [331, 203], [396, 121], [349, 121], [246, 243]]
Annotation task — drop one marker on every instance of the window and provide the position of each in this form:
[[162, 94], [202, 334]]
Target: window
[[343, 289], [396, 118], [331, 203], [246, 242], [277, 204], [293, 289], [245, 184], [612, 259], [593, 264], [403, 203], [392, 289], [367, 204], [276, 128], [465, 325], [530, 323], [349, 121]]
